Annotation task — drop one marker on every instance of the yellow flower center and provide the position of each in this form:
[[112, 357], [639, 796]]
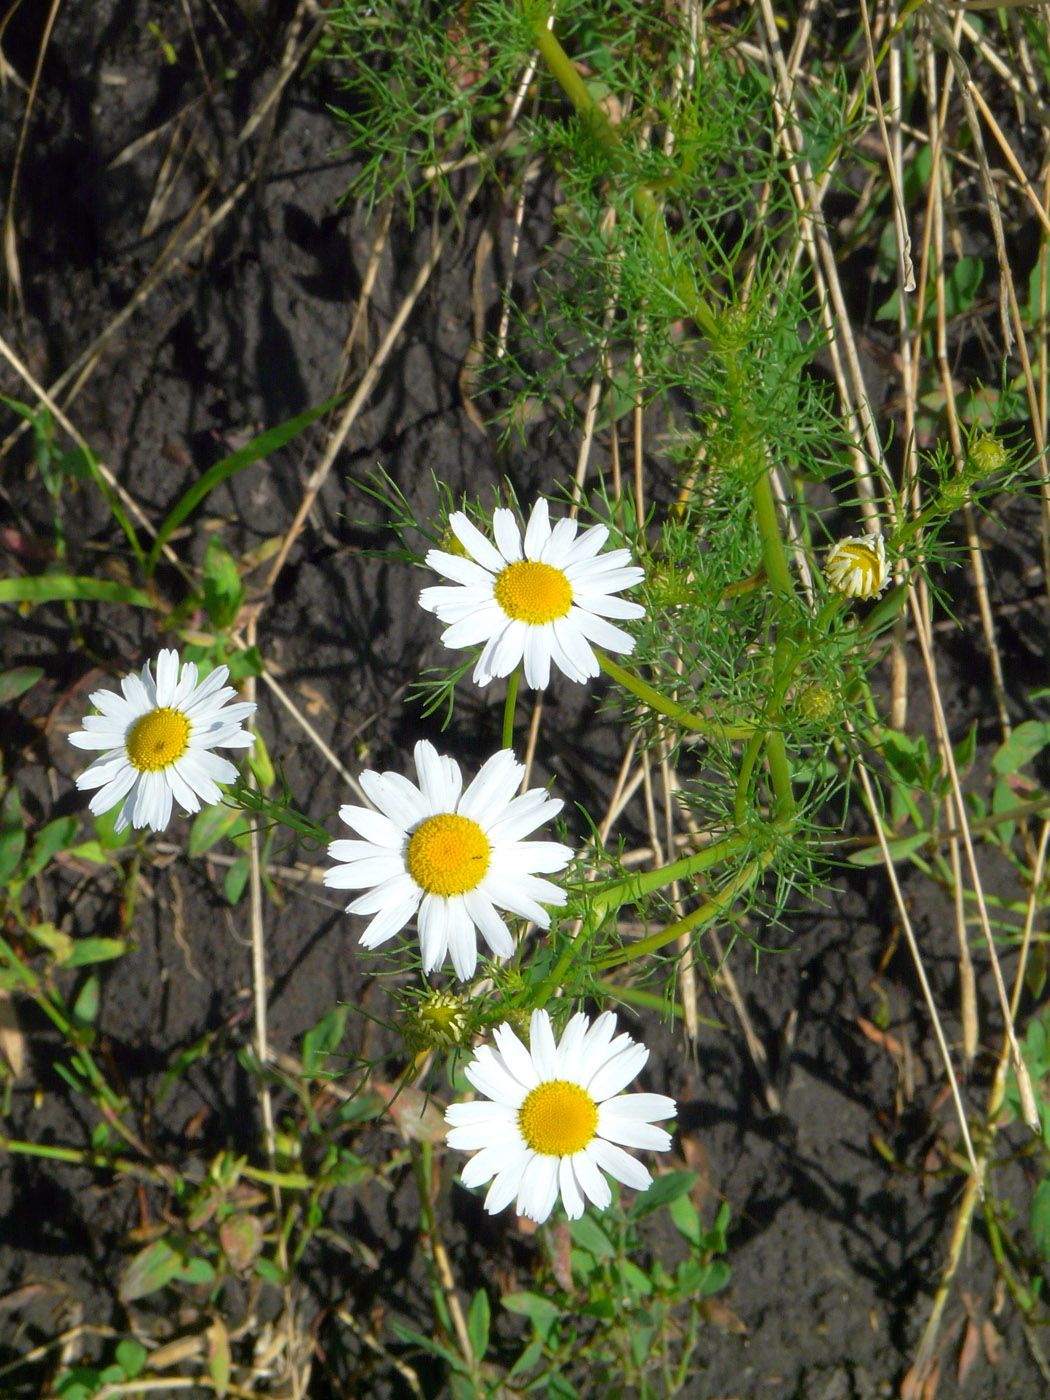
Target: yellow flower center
[[448, 855], [529, 591], [158, 739], [558, 1118]]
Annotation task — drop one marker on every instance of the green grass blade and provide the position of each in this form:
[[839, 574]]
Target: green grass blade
[[260, 446], [57, 588]]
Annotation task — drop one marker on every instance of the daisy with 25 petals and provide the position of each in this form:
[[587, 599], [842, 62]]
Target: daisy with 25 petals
[[158, 738], [557, 1118], [543, 599], [449, 856]]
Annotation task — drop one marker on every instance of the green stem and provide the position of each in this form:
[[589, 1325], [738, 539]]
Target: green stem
[[773, 556], [508, 709], [634, 887], [653, 698], [706, 914]]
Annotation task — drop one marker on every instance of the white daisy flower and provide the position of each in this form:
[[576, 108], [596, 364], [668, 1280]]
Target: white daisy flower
[[545, 599], [159, 738], [556, 1117], [452, 855], [857, 566]]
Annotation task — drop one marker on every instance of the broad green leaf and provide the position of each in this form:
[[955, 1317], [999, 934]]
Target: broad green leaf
[[58, 588], [131, 1357], [54, 837], [686, 1219], [260, 446], [86, 951], [85, 1008], [219, 1357], [325, 1037], [196, 1271], [211, 824], [241, 1237], [268, 1270], [151, 1269], [589, 1235], [236, 878], [12, 835], [899, 850], [663, 1191], [17, 681], [223, 589], [478, 1320], [541, 1311], [1041, 1218], [1024, 743]]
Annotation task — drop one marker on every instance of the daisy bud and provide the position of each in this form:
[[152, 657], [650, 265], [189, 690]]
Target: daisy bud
[[857, 567]]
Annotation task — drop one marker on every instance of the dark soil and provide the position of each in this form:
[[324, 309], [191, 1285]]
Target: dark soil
[[834, 1252]]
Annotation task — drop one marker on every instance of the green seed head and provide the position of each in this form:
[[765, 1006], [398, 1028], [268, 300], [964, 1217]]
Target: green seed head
[[987, 455], [816, 703], [438, 1021]]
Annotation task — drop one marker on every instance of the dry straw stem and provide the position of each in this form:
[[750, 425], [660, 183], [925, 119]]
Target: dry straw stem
[[948, 756], [835, 318], [924, 1354], [184, 243], [920, 968]]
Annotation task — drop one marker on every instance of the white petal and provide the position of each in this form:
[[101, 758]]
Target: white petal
[[195, 776], [401, 803], [609, 606], [632, 1134], [571, 1196], [466, 572], [490, 1075], [475, 543], [363, 874], [559, 546], [477, 1114], [387, 922], [593, 1185], [373, 826], [209, 765], [537, 656], [440, 779], [433, 922], [571, 651], [103, 769], [586, 547], [501, 654], [538, 530], [499, 1158], [490, 925], [618, 1071], [542, 1047], [492, 789], [462, 939], [638, 1107], [602, 633], [507, 535], [480, 626], [505, 1187], [402, 889], [181, 791], [532, 857], [619, 1163], [167, 677], [117, 788], [515, 1056], [539, 1188]]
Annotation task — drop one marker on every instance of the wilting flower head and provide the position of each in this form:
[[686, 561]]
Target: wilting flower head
[[452, 855], [545, 599], [556, 1116], [857, 566], [160, 735]]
